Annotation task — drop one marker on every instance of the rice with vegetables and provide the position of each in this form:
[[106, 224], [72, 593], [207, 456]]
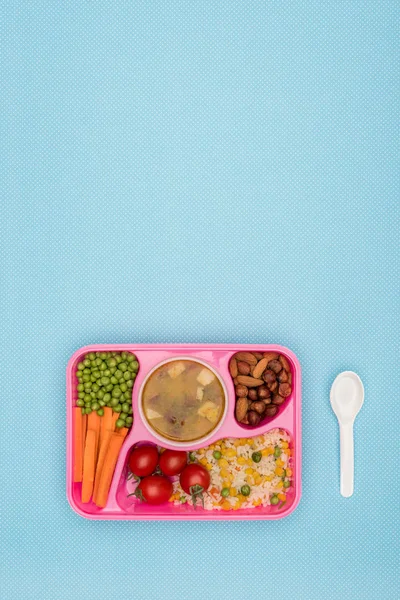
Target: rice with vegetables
[[245, 472]]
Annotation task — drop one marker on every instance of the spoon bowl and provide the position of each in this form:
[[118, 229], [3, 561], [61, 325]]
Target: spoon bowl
[[347, 397]]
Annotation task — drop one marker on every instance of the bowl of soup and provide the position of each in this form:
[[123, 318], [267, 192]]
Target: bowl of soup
[[183, 400]]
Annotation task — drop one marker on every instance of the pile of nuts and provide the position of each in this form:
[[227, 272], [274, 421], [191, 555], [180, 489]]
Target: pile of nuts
[[263, 381]]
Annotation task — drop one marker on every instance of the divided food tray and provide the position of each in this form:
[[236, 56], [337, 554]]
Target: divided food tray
[[216, 356]]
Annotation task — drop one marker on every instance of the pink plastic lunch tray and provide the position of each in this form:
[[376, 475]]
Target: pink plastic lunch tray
[[217, 356]]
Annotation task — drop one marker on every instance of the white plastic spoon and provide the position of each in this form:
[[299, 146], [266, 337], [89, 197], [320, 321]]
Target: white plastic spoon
[[347, 397]]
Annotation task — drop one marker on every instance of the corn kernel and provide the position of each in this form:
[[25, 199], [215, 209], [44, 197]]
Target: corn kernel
[[249, 471], [279, 484], [201, 451], [257, 479], [208, 467], [237, 443], [279, 462], [268, 477], [282, 497], [203, 461], [241, 460], [230, 452], [223, 462], [226, 506], [284, 445], [257, 502], [225, 483], [289, 472], [250, 441], [249, 480], [232, 491], [224, 473], [279, 471], [288, 452]]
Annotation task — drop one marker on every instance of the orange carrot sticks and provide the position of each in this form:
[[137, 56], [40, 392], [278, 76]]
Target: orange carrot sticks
[[93, 423], [78, 444], [100, 461], [89, 465], [107, 472], [105, 423]]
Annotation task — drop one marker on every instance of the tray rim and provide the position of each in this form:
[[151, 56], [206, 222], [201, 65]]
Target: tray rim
[[205, 515]]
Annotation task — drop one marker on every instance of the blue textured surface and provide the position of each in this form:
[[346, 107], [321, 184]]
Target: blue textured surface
[[211, 172]]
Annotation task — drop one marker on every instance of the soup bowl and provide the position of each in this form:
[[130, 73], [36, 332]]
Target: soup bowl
[[168, 440]]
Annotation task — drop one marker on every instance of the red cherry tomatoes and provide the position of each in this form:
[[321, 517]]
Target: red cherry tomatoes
[[195, 480], [172, 462], [155, 489], [143, 460]]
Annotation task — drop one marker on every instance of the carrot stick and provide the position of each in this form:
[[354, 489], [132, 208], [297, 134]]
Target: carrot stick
[[93, 423], [100, 461], [84, 428], [107, 472], [88, 465], [105, 423], [123, 432], [115, 417], [78, 443]]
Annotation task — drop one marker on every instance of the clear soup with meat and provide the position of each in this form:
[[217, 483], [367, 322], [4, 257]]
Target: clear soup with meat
[[183, 400]]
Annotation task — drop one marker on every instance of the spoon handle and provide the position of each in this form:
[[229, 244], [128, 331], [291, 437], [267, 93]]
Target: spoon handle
[[346, 460]]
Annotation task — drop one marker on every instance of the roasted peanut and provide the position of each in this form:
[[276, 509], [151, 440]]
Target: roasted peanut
[[285, 363], [258, 406], [258, 355], [243, 367], [273, 386], [263, 392], [283, 376], [285, 390], [277, 399], [253, 395], [275, 366], [241, 391], [253, 417], [269, 376], [271, 410]]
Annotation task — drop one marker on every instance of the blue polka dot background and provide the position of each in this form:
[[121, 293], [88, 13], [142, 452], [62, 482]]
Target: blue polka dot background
[[201, 172]]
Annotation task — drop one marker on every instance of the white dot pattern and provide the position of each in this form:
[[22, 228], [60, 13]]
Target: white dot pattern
[[201, 171]]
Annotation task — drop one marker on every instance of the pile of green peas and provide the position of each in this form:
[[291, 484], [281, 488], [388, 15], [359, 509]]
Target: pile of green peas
[[106, 379]]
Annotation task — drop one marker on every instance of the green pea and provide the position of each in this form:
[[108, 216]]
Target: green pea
[[274, 499], [100, 412], [91, 355], [128, 421], [95, 387], [225, 492], [130, 411], [127, 376], [92, 378], [117, 408], [114, 380], [96, 374], [80, 387], [86, 378], [80, 366], [78, 373], [103, 366], [123, 416], [192, 456], [114, 402], [88, 410], [98, 361], [125, 407], [245, 490], [256, 457], [111, 362], [80, 379], [102, 403], [87, 371], [135, 365], [109, 387], [83, 410], [123, 387], [80, 403], [116, 393], [86, 362], [87, 385], [100, 394], [81, 395], [107, 373], [127, 396], [118, 359], [93, 394], [130, 357], [87, 398], [124, 354], [103, 355], [95, 406], [118, 374], [107, 398], [286, 484], [105, 380], [133, 376], [129, 384], [123, 366], [119, 423], [277, 452], [112, 370], [217, 454]]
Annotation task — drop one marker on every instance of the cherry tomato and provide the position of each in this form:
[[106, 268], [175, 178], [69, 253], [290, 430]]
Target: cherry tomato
[[155, 489], [172, 462], [143, 460], [195, 480]]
